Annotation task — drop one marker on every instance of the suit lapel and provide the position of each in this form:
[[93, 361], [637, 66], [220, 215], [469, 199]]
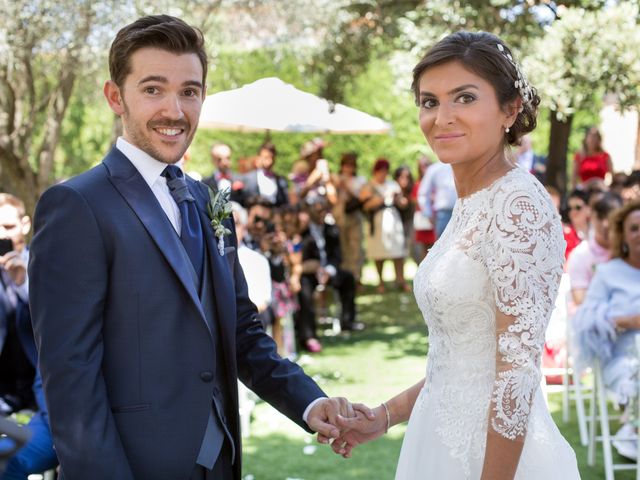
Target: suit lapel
[[136, 192]]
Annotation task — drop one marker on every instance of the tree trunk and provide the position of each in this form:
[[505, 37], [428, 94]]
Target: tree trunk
[[558, 149], [636, 165], [23, 183]]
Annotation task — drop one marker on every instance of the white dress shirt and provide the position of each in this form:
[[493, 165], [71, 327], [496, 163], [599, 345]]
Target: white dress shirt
[[267, 186], [525, 160], [151, 170], [259, 282], [439, 183]]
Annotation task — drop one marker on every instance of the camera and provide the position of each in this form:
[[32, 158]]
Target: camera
[[6, 246]]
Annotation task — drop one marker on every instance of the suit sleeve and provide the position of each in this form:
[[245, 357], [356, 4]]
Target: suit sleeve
[[68, 271]]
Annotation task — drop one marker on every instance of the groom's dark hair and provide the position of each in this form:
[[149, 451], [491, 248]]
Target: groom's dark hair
[[154, 31]]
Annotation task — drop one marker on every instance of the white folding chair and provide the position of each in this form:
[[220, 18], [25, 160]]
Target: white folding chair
[[246, 404], [602, 418], [572, 387]]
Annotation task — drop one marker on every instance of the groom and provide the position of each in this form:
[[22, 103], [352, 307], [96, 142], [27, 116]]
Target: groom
[[141, 313]]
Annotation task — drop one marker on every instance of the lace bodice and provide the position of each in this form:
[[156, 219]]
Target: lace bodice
[[486, 290]]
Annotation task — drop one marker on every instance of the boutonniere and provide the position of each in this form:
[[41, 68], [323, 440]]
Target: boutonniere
[[219, 209]]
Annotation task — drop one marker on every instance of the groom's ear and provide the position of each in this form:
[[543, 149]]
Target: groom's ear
[[114, 98]]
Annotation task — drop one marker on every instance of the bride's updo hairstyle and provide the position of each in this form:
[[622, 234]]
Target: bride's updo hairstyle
[[488, 57]]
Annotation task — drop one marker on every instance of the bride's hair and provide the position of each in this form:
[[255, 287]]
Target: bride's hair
[[489, 57]]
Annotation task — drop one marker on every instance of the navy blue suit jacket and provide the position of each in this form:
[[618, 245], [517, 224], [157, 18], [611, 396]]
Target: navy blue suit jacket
[[122, 337]]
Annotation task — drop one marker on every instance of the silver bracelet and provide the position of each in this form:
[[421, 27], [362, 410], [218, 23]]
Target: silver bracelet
[[386, 410]]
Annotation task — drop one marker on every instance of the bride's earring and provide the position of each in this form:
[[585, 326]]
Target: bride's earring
[[506, 129]]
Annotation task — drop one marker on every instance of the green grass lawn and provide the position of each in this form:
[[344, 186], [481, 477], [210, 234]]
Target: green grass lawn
[[369, 367]]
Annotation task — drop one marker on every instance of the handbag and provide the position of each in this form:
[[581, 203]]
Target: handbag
[[352, 205], [420, 222]]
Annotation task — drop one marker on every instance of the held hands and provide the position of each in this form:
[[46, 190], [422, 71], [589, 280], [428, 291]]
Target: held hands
[[359, 429], [346, 425]]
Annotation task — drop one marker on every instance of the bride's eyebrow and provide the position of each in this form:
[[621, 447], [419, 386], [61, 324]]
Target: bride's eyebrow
[[467, 86]]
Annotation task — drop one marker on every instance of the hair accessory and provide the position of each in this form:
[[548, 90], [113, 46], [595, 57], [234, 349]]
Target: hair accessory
[[521, 83]]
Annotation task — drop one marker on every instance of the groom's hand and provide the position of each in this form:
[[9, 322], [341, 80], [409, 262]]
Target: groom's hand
[[359, 429], [326, 414]]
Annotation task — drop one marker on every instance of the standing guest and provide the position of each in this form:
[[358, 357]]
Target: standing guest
[[263, 181], [20, 382], [140, 308], [591, 163], [532, 163], [579, 215], [437, 195], [425, 234], [348, 214], [487, 287], [405, 204], [246, 164], [594, 250], [321, 259], [385, 239], [223, 177], [313, 179]]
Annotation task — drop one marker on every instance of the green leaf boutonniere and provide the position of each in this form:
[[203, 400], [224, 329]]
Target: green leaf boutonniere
[[219, 209]]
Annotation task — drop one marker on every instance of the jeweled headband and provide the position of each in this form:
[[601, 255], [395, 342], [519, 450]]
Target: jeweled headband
[[521, 83]]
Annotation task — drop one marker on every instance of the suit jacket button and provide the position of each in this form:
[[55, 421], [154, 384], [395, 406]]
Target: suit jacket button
[[206, 376]]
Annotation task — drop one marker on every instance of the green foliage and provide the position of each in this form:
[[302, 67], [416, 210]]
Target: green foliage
[[586, 54], [86, 130]]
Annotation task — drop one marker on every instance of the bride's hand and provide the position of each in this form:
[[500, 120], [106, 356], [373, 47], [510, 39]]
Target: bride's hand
[[358, 430]]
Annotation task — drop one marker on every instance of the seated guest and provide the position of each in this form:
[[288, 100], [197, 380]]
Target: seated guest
[[263, 181], [259, 224], [321, 258], [609, 318], [578, 214], [20, 383], [631, 189], [259, 279], [595, 249]]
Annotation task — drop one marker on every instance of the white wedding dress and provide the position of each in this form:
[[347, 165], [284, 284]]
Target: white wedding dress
[[502, 250]]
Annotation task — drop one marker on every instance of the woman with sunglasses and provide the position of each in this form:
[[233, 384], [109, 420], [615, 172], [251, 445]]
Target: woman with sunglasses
[[578, 214]]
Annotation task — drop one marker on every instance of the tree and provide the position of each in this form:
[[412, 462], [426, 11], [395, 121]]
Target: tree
[[42, 54], [583, 55]]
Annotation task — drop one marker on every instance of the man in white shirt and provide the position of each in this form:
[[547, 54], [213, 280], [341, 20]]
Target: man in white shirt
[[532, 163], [437, 195]]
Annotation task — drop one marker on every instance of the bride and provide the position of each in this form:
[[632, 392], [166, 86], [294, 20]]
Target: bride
[[487, 287]]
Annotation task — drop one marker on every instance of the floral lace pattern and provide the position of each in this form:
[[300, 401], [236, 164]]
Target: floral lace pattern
[[502, 251]]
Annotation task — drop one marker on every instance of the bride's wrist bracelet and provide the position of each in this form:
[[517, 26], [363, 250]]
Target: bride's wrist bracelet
[[386, 411]]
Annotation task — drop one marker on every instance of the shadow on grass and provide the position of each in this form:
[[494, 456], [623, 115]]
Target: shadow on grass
[[292, 463]]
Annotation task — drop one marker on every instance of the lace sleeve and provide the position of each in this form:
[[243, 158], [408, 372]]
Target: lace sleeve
[[524, 256]]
